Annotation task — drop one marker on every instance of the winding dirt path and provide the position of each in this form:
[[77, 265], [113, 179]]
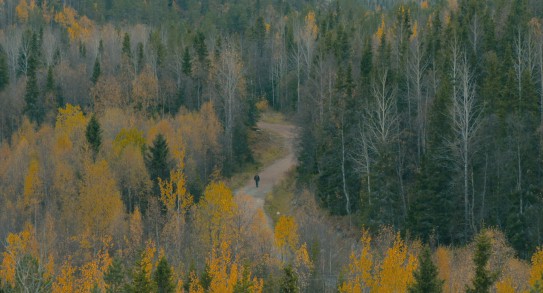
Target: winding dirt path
[[274, 173]]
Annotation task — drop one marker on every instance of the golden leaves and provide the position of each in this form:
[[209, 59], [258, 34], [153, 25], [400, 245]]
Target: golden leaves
[[173, 192], [536, 272], [393, 274], [77, 27], [286, 233], [381, 30], [311, 28], [32, 184], [100, 200], [18, 245], [215, 213]]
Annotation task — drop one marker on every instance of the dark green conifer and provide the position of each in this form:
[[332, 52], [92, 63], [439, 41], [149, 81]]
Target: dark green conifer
[[426, 276], [163, 277], [484, 278], [93, 134]]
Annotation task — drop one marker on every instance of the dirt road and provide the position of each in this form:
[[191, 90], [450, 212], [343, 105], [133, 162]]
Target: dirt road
[[272, 174]]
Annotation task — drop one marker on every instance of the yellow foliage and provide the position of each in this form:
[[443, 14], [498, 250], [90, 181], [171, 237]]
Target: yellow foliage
[[415, 31], [100, 200], [360, 268], [18, 245], [311, 26], [396, 273], [381, 30], [215, 213], [32, 184], [225, 272], [536, 272], [147, 258], [77, 27], [424, 4], [24, 8], [127, 137], [70, 120], [195, 286], [173, 192], [443, 262], [262, 105], [92, 273], [505, 286], [65, 280], [286, 233]]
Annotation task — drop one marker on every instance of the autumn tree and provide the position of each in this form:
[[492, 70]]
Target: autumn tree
[[100, 203], [23, 268], [286, 236]]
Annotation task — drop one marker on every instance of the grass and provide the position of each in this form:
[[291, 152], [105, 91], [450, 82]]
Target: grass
[[279, 201], [267, 146], [273, 117]]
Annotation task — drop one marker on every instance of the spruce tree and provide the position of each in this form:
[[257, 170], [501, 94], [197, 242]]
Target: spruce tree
[[288, 281], [484, 278], [187, 62], [140, 282], [127, 48], [96, 71], [114, 277], [163, 277], [94, 135], [4, 76], [157, 160], [33, 108], [426, 276]]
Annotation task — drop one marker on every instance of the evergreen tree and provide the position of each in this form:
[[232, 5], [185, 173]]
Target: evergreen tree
[[96, 71], [426, 276], [140, 56], [4, 75], [140, 282], [187, 62], [289, 281], [114, 277], [127, 47], [93, 134], [163, 277], [205, 278], [484, 278], [50, 81], [158, 160], [34, 106]]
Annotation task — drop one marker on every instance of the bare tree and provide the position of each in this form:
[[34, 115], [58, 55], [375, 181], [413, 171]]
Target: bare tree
[[465, 117], [418, 66], [230, 85]]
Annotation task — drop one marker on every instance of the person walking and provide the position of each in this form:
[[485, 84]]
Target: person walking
[[257, 179]]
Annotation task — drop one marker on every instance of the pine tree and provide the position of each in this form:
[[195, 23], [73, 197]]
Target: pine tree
[[187, 62], [4, 76], [93, 134], [484, 278], [96, 71], [141, 282], [288, 281], [140, 57], [114, 277], [33, 108], [157, 160], [127, 48], [426, 277], [163, 277]]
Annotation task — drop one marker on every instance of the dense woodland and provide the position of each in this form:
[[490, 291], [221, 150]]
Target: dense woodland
[[420, 124]]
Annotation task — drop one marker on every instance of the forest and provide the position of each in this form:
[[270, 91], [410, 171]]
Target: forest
[[128, 129]]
